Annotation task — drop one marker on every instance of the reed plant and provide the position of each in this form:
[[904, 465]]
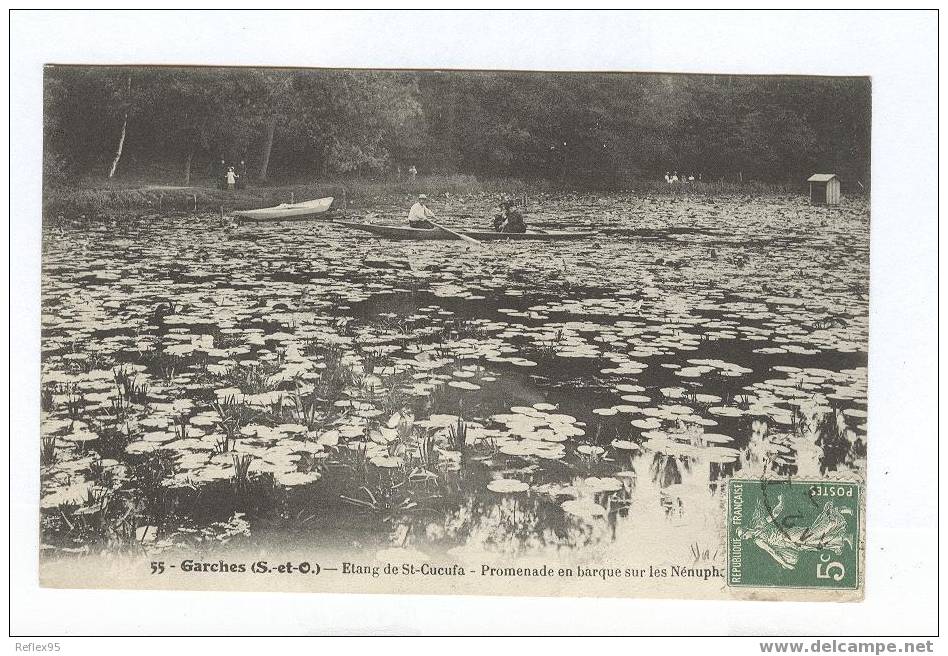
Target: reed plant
[[242, 471], [47, 450], [457, 435]]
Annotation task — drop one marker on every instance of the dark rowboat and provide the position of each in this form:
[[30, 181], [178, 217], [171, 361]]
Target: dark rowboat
[[424, 234]]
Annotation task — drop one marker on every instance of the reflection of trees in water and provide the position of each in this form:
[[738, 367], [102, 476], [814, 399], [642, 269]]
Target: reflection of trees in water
[[617, 504], [463, 512], [679, 485], [456, 509], [758, 457], [856, 452], [510, 524], [833, 437], [666, 470], [810, 450], [673, 505]]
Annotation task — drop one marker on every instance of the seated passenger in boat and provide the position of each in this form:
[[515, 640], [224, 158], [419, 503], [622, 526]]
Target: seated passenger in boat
[[419, 213], [509, 219]]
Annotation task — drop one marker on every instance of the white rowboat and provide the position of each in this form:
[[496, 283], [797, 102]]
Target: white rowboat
[[288, 211]]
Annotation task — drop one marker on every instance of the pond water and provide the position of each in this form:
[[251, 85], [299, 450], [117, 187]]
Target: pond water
[[300, 384]]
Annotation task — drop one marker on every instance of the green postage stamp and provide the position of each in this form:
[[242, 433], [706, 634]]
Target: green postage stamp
[[793, 534]]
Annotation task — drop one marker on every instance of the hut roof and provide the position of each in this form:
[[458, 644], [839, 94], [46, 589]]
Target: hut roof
[[821, 177]]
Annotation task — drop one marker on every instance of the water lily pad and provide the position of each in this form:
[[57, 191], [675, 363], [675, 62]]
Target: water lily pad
[[583, 508], [507, 486]]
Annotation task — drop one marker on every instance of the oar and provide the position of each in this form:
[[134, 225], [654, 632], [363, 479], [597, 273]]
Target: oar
[[457, 234]]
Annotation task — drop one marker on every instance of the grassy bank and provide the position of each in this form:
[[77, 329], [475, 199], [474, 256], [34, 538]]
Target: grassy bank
[[358, 194], [141, 197]]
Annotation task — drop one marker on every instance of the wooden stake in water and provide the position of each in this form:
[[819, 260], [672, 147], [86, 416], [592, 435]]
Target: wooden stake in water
[[292, 198], [195, 202], [222, 213]]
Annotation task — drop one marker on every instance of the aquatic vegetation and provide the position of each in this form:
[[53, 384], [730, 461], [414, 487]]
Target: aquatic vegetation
[[386, 501], [48, 398], [529, 397], [355, 458], [48, 450], [242, 471], [334, 376], [233, 416], [832, 437], [113, 439], [457, 435], [706, 554], [129, 389], [507, 486]]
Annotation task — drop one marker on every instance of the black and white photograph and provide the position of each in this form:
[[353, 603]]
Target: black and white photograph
[[446, 316], [489, 330]]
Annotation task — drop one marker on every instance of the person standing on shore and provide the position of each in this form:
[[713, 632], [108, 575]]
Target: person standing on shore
[[231, 179], [412, 173], [241, 175]]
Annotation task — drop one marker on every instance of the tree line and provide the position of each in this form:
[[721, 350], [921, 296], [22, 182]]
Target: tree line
[[575, 127]]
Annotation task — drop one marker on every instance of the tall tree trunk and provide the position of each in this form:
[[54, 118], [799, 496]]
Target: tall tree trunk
[[121, 143], [118, 151], [267, 147], [187, 168]]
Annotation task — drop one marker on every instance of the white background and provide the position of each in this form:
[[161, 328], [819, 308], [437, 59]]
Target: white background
[[897, 49]]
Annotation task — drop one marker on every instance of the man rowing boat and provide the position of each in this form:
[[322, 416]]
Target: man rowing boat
[[419, 213], [509, 219]]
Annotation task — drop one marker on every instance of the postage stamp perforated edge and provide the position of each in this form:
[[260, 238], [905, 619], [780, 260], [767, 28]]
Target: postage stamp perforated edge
[[795, 533]]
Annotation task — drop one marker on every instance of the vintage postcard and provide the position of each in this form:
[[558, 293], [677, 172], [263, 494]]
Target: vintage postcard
[[455, 332]]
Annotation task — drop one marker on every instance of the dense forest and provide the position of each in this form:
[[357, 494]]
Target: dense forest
[[171, 123]]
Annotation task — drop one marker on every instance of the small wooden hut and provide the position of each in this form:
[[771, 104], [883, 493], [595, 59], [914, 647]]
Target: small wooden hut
[[824, 189]]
